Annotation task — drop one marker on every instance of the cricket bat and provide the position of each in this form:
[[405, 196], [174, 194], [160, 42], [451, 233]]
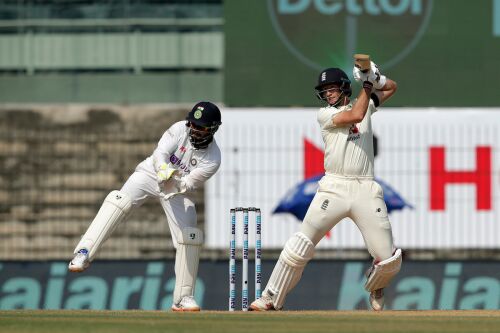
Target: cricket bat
[[362, 61]]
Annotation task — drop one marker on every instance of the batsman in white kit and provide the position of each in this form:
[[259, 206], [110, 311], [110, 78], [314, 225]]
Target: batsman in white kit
[[348, 188], [186, 156]]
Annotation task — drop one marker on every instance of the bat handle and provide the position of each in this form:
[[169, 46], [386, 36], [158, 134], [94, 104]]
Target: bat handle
[[362, 61]]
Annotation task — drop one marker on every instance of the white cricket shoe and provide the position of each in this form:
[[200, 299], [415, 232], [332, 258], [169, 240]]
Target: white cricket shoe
[[187, 304], [80, 262], [377, 299], [264, 303]]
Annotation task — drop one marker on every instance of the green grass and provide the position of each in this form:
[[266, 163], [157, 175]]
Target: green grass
[[221, 322]]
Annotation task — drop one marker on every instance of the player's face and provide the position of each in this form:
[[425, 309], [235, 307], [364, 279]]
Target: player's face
[[331, 93], [199, 132]]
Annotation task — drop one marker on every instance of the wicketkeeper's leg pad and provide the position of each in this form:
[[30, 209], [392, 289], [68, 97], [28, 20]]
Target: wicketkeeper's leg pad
[[381, 274], [186, 262], [297, 252], [114, 209]]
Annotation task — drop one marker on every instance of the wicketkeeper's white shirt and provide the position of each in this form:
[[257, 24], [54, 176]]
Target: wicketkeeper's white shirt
[[195, 166]]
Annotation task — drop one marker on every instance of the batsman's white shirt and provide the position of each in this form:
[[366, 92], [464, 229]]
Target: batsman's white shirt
[[348, 150], [195, 166], [348, 188]]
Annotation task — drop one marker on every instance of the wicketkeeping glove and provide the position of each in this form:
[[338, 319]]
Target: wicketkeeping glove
[[165, 172], [174, 186]]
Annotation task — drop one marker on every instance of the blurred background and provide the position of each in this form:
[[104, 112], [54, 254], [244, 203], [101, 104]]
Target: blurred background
[[87, 88]]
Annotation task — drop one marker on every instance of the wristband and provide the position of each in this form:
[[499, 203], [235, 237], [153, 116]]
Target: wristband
[[375, 99]]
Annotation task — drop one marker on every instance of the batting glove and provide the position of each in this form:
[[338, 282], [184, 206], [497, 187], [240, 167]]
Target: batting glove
[[375, 77], [359, 75]]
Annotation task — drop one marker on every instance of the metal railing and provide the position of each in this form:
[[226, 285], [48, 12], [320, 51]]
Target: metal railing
[[71, 24]]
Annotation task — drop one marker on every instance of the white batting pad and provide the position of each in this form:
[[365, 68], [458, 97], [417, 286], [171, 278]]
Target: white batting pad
[[297, 252], [114, 209], [382, 273], [186, 262]]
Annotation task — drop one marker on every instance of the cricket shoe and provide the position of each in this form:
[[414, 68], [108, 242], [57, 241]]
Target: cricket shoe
[[187, 304], [80, 262], [377, 299], [263, 303]]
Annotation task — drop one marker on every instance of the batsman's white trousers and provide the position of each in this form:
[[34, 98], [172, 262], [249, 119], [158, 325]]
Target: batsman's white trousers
[[180, 210], [360, 199]]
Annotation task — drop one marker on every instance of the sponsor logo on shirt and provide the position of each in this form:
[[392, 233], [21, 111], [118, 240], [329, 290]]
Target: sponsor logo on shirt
[[353, 133], [178, 162]]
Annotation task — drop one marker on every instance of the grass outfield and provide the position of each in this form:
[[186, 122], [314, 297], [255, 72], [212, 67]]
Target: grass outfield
[[220, 322]]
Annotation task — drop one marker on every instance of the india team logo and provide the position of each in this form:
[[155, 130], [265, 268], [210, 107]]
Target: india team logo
[[323, 33], [198, 113]]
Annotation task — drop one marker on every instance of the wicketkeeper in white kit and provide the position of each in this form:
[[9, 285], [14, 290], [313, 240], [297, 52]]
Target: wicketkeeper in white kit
[[186, 156], [348, 188]]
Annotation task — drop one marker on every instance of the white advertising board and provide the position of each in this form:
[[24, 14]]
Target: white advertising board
[[444, 162]]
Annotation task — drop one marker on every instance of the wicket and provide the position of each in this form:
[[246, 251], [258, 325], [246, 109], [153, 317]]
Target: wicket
[[232, 257]]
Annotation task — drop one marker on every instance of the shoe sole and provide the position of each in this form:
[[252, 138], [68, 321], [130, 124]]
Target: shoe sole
[[186, 310], [74, 269], [255, 308]]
